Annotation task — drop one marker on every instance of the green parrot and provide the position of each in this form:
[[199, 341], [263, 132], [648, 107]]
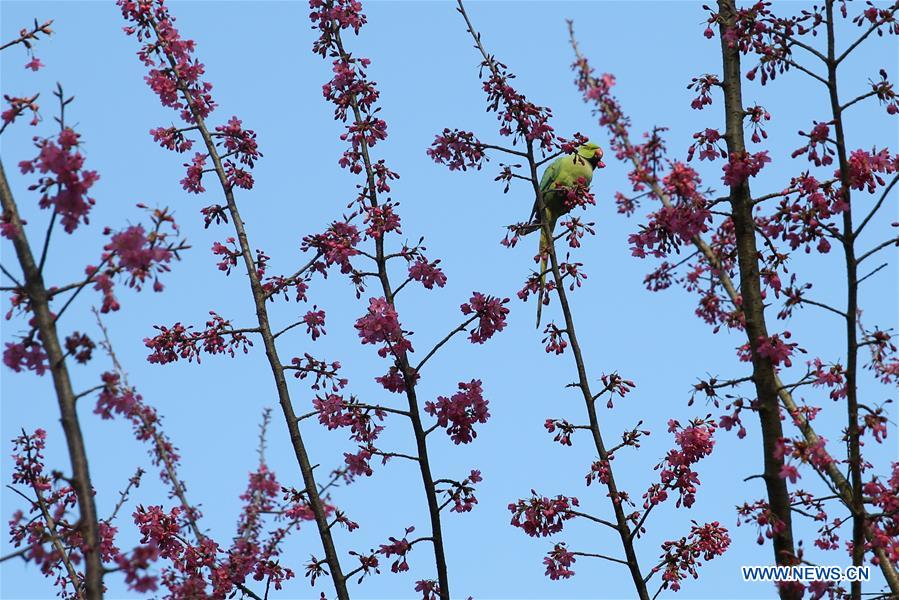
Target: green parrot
[[562, 173]]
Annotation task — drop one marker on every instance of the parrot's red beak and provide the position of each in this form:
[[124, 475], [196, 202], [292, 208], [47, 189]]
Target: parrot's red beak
[[598, 156]]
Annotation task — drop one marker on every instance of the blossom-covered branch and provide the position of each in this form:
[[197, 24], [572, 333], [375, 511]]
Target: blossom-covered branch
[[355, 99], [806, 216], [527, 124], [132, 256], [176, 77]]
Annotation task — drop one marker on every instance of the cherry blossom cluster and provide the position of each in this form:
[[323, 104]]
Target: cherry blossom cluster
[[162, 530], [708, 142], [337, 245], [279, 286], [229, 254], [774, 348], [240, 144], [461, 493], [806, 218], [881, 19], [757, 115], [682, 557], [884, 358], [755, 29], [518, 117], [362, 420], [562, 429], [381, 220], [17, 106], [381, 325], [558, 562], [457, 150], [759, 513], [685, 210], [27, 355], [676, 224], [429, 588], [695, 442], [554, 339], [176, 76], [802, 451], [532, 286], [63, 181], [541, 516], [330, 16], [169, 58], [326, 374], [491, 316], [80, 346], [398, 548], [315, 322], [180, 342], [350, 88], [884, 496], [426, 272], [885, 93], [51, 538], [459, 413], [818, 136], [249, 553], [235, 141], [866, 169], [137, 255], [375, 219], [702, 85], [195, 567], [830, 376], [741, 167], [828, 537]]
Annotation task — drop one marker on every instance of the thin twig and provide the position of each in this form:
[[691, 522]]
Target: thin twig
[[446, 338]]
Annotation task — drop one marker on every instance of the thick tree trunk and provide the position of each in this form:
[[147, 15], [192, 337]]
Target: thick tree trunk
[[49, 339], [763, 372]]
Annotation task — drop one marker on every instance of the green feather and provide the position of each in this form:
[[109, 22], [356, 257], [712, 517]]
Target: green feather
[[563, 172]]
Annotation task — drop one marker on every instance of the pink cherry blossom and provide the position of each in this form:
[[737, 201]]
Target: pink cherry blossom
[[540, 516], [461, 412], [558, 562], [427, 273], [491, 313], [381, 325]]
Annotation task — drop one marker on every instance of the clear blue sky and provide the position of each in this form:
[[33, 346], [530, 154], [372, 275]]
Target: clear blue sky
[[258, 58]]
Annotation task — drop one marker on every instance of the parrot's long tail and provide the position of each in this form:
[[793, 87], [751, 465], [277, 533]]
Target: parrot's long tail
[[544, 245]]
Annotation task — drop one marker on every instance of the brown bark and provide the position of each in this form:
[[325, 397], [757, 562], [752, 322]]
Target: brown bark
[[49, 339], [409, 373], [851, 314], [763, 372], [271, 351], [830, 470], [621, 523]]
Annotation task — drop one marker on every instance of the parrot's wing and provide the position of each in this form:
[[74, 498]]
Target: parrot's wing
[[549, 177], [551, 174]]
